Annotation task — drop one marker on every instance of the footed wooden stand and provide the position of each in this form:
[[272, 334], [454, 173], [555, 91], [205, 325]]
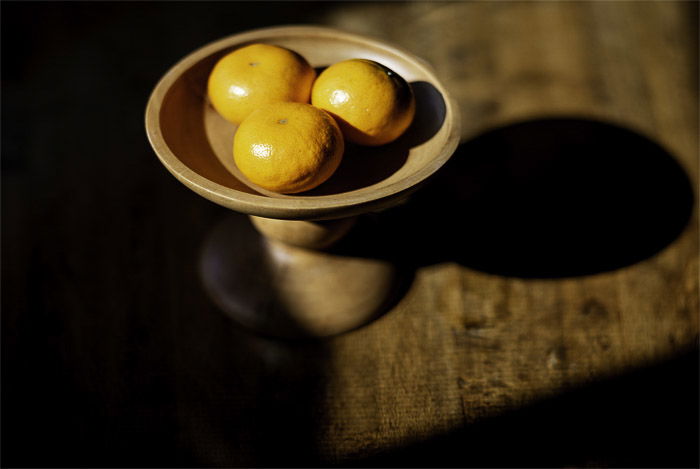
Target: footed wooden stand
[[275, 271], [278, 281]]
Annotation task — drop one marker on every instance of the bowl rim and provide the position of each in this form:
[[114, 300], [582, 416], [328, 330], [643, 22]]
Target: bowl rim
[[295, 207]]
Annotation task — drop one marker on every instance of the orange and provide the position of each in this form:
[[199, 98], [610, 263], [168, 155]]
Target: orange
[[254, 75], [372, 104], [288, 147]]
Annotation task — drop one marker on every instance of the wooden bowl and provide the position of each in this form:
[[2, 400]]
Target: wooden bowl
[[195, 143]]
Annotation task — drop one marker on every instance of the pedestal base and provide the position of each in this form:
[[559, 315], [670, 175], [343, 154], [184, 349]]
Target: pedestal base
[[287, 291]]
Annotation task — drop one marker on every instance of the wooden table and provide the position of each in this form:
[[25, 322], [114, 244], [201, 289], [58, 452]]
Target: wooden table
[[551, 311]]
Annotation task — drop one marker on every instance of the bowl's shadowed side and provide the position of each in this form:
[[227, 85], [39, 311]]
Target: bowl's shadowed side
[[182, 126]]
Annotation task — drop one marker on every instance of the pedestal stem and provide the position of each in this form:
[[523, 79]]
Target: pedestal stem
[[305, 234]]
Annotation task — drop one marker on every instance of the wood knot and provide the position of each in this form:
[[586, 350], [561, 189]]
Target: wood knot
[[594, 308], [556, 358]]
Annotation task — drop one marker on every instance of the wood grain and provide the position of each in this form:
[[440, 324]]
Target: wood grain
[[463, 344], [552, 317]]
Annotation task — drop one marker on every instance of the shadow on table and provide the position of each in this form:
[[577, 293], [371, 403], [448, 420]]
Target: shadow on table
[[645, 418], [543, 198], [553, 198]]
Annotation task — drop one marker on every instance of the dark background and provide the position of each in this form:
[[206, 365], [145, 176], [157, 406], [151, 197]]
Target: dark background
[[109, 342]]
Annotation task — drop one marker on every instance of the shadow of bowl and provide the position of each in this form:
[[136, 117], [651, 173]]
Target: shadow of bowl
[[547, 198]]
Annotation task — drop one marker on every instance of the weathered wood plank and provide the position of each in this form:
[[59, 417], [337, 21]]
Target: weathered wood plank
[[114, 355]]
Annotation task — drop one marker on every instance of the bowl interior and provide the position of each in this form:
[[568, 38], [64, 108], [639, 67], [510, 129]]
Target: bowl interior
[[195, 143]]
